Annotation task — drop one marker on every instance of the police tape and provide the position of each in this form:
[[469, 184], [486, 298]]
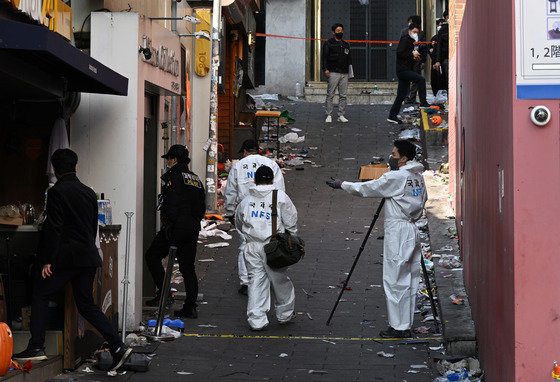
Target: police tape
[[242, 336], [324, 39]]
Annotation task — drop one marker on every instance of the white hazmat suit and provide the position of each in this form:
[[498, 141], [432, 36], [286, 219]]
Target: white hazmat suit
[[405, 195], [240, 180], [253, 219]]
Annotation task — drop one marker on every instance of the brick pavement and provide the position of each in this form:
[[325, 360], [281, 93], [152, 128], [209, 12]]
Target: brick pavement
[[333, 224]]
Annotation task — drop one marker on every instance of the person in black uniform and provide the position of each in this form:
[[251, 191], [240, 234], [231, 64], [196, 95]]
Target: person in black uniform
[[418, 65], [407, 56], [442, 52], [68, 254], [182, 208], [436, 79], [336, 61]]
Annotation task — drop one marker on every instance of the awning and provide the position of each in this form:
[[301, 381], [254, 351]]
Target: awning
[[44, 61]]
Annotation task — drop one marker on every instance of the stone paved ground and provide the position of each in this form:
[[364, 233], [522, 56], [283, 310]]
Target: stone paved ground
[[333, 224]]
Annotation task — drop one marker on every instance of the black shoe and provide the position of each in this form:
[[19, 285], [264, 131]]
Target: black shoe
[[243, 290], [155, 301], [30, 355], [425, 104], [187, 312], [393, 333], [120, 356], [396, 120]]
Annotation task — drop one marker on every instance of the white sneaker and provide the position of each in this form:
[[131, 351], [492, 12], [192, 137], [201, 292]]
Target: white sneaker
[[329, 119], [342, 119]]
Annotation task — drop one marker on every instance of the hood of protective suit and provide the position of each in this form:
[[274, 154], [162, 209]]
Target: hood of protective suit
[[262, 190], [414, 167]]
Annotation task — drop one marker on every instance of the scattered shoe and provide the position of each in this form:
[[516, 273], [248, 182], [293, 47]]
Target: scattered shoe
[[155, 301], [329, 119], [243, 290], [395, 120], [342, 119], [30, 355], [393, 333], [120, 356], [187, 312], [284, 322]]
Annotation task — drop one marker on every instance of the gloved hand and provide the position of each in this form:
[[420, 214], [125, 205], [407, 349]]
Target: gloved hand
[[231, 219], [334, 183]]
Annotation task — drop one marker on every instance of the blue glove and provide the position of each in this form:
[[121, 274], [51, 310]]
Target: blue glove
[[334, 183]]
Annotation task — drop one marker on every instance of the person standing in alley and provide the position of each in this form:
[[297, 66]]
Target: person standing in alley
[[436, 77], [405, 195], [336, 62], [253, 218], [407, 56], [442, 52], [419, 64], [68, 254], [182, 206], [240, 180]]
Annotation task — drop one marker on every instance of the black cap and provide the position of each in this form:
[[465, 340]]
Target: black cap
[[178, 152], [249, 145]]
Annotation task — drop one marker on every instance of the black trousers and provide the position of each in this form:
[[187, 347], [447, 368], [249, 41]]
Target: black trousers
[[82, 286], [186, 254], [411, 98], [436, 81], [405, 79]]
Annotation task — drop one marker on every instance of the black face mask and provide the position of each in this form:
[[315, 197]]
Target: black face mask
[[393, 163], [339, 35]]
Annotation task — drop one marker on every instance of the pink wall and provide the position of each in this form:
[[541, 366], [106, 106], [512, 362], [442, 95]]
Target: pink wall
[[536, 186], [512, 261], [485, 112]]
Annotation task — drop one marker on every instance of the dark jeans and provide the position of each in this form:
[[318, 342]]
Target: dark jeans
[[405, 78], [436, 81], [186, 253], [411, 98], [82, 286]]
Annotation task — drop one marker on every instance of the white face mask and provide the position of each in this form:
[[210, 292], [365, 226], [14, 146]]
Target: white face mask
[[414, 36], [438, 28]]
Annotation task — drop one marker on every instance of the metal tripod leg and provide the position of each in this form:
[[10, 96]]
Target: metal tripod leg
[[430, 294], [375, 217], [163, 297]]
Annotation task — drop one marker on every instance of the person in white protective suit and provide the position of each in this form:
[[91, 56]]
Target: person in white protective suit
[[405, 194], [242, 178], [253, 218]]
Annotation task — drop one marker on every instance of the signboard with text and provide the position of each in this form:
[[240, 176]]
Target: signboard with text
[[537, 24]]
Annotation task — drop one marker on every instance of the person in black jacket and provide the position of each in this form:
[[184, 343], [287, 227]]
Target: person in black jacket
[[420, 64], [336, 62], [436, 79], [68, 253], [442, 51], [182, 208], [406, 58]]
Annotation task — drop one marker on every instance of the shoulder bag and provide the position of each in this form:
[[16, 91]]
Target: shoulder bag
[[284, 249]]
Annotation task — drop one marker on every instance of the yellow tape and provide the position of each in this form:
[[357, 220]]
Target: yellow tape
[[242, 336]]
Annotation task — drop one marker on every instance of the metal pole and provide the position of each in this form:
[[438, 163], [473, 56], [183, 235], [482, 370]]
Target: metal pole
[[430, 294], [165, 291], [212, 153], [375, 217], [125, 281]]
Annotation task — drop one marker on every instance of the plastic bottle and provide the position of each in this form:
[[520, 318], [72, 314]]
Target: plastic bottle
[[375, 87], [299, 90], [108, 213], [102, 211], [463, 376]]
